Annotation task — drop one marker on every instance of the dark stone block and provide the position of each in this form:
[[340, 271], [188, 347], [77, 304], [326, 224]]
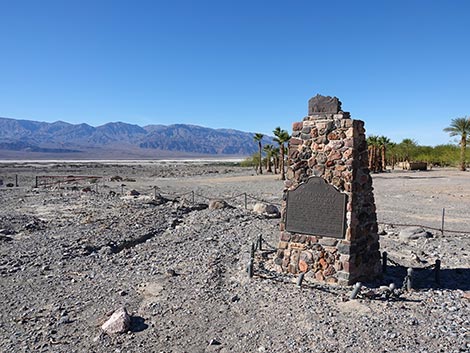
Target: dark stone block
[[328, 241], [343, 275], [346, 249], [322, 104]]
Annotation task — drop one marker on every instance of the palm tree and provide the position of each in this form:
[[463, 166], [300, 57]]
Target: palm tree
[[269, 150], [373, 149], [258, 137], [460, 126], [282, 136], [275, 153], [393, 154], [383, 143]]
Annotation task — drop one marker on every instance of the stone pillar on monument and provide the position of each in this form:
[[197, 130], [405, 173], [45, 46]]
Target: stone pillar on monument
[[329, 224]]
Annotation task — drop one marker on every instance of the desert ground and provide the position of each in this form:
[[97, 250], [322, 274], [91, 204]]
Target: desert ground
[[73, 253]]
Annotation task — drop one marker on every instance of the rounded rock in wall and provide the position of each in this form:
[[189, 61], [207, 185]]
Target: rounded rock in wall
[[303, 266]]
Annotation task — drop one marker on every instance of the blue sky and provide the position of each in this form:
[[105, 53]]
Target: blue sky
[[401, 66]]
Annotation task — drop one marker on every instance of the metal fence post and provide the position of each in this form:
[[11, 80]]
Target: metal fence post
[[300, 279], [246, 201], [443, 217], [409, 277], [357, 288], [384, 262], [250, 269], [437, 272]]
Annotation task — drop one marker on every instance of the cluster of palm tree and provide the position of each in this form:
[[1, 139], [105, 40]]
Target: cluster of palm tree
[[377, 148], [275, 156], [382, 151]]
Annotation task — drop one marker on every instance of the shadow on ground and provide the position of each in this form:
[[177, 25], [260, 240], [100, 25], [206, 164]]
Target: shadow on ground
[[138, 324], [448, 278]]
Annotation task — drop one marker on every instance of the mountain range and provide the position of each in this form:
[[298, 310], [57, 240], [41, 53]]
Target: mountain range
[[27, 139]]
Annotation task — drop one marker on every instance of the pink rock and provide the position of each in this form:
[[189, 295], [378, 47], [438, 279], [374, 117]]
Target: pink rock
[[119, 322]]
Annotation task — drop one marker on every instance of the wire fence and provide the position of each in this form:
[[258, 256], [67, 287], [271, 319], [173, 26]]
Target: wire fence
[[238, 200], [426, 227], [408, 280], [247, 197], [244, 197]]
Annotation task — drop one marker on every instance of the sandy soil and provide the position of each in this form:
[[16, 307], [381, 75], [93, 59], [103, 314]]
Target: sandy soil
[[69, 258]]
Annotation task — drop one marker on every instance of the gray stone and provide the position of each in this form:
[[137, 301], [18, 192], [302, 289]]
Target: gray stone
[[413, 233], [268, 209], [217, 204], [322, 104], [328, 241], [381, 230], [133, 193]]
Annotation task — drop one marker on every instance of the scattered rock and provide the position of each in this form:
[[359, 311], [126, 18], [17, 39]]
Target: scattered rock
[[64, 320], [381, 230], [119, 322], [413, 233], [133, 192], [5, 238], [158, 200], [354, 307], [235, 298], [266, 209], [171, 273], [212, 294], [217, 204]]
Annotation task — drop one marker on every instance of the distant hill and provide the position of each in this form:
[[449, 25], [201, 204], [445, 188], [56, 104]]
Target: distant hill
[[26, 139]]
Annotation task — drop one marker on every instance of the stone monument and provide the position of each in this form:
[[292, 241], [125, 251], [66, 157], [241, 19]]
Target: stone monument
[[329, 225]]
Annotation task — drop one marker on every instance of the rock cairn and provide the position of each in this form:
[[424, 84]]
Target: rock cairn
[[330, 145]]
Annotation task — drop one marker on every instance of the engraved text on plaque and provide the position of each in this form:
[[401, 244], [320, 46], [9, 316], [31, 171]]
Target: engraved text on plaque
[[316, 208]]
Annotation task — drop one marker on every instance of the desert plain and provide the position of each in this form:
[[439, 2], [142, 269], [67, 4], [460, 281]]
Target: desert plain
[[141, 236]]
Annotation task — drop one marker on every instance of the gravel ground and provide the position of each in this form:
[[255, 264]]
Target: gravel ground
[[69, 258]]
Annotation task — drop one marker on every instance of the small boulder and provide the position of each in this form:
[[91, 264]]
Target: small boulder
[[217, 204], [158, 200], [133, 192], [413, 233], [119, 322], [266, 209], [381, 230], [5, 232]]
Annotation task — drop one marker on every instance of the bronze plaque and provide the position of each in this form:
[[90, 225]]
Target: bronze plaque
[[316, 208]]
